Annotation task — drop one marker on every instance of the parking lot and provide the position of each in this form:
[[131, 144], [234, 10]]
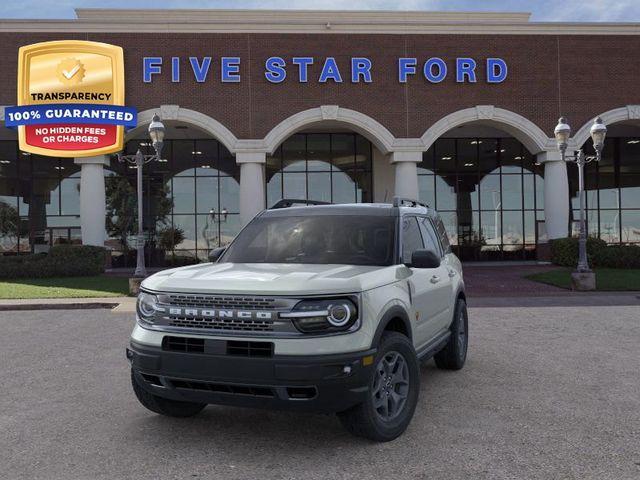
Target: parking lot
[[548, 392]]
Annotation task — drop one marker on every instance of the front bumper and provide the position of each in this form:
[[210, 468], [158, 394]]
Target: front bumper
[[320, 383]]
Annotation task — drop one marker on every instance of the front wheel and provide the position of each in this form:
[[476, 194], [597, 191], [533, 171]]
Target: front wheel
[[164, 406], [454, 354], [393, 392]]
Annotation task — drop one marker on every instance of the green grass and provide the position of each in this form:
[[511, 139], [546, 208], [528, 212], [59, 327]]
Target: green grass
[[69, 287], [607, 279]]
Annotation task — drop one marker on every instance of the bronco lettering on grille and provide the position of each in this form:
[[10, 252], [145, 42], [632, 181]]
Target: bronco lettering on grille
[[209, 313]]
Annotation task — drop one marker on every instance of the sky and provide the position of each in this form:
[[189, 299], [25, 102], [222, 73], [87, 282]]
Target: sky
[[542, 10]]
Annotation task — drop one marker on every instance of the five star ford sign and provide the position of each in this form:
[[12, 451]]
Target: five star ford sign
[[70, 99]]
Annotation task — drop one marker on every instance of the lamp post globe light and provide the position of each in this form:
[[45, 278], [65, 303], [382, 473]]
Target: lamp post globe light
[[583, 278], [156, 134]]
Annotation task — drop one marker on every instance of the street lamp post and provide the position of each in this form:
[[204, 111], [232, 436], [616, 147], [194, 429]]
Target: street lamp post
[[156, 133], [562, 133]]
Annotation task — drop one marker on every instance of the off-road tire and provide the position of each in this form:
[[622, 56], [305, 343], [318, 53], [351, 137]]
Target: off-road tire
[[454, 354], [364, 420], [163, 406]]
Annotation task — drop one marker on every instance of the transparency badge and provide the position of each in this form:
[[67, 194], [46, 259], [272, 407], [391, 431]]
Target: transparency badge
[[70, 99]]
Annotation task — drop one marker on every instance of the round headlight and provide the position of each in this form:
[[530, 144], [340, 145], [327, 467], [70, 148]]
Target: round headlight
[[146, 305], [339, 314]]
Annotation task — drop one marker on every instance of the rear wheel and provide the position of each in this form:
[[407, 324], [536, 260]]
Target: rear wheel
[[454, 354], [164, 406], [393, 392]]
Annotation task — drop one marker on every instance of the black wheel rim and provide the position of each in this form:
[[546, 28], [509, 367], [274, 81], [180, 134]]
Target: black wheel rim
[[390, 386]]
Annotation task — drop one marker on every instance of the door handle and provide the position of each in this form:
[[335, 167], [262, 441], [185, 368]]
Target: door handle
[[435, 279], [452, 273]]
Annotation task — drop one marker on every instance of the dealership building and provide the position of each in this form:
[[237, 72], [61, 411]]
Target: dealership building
[[456, 109]]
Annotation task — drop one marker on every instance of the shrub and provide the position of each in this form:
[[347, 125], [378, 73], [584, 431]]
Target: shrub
[[61, 261], [564, 252]]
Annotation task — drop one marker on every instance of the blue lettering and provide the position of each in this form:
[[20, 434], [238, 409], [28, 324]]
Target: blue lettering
[[465, 67], [428, 70], [360, 67], [200, 71], [406, 66], [175, 69], [331, 71], [275, 69], [303, 65], [151, 66], [230, 70], [496, 70]]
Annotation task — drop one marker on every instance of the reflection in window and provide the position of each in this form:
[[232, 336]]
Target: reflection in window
[[612, 191], [199, 180], [328, 167], [488, 191]]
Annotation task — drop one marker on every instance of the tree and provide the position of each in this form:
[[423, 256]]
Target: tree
[[122, 208], [9, 222]]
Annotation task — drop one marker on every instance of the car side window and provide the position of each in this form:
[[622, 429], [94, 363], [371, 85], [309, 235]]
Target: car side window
[[411, 238], [442, 234], [429, 236]]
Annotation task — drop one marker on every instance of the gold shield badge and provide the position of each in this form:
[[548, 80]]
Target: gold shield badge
[[73, 89]]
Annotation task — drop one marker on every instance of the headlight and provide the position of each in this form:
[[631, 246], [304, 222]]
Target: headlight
[[146, 306], [324, 315]]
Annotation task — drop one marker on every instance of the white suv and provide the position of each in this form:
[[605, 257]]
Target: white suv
[[322, 308]]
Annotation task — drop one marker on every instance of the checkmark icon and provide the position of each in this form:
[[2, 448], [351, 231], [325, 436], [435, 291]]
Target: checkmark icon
[[71, 73]]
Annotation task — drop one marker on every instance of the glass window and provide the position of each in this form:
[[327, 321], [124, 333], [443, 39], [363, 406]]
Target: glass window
[[411, 238], [326, 239], [630, 226], [318, 151], [207, 194], [445, 194], [328, 167], [429, 236]]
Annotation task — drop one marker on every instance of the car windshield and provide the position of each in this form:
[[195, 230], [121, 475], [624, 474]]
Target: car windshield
[[323, 239]]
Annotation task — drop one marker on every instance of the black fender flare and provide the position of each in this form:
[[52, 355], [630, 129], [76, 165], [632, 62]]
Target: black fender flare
[[460, 295], [395, 311]]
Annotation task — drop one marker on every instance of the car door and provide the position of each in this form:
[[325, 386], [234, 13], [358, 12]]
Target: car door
[[444, 283], [422, 285]]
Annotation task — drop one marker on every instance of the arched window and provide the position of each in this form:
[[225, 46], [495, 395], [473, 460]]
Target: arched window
[[329, 167]]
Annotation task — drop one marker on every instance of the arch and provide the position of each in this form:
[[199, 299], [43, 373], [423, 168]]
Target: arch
[[527, 132], [197, 119], [382, 138], [622, 114]]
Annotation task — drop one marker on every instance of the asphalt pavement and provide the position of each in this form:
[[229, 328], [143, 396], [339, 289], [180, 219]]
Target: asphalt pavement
[[547, 393]]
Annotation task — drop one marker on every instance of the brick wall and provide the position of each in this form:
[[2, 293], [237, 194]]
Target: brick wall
[[578, 76]]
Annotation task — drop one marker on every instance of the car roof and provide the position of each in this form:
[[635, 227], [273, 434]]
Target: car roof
[[369, 209]]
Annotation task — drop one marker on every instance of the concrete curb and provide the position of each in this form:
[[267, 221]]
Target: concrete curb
[[9, 307]]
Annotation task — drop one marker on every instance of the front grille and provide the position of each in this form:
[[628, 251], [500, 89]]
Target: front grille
[[250, 349], [183, 344], [233, 324], [229, 302], [252, 390]]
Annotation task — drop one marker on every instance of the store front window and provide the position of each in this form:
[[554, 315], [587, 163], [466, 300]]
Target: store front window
[[329, 167], [191, 202], [612, 189], [39, 201], [489, 193]]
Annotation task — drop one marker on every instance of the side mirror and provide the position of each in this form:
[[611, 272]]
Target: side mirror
[[216, 253], [424, 259]]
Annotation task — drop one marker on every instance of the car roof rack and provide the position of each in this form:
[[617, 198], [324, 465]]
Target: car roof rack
[[401, 202], [293, 202]]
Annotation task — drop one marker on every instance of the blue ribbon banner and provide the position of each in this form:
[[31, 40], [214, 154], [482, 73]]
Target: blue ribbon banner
[[70, 113]]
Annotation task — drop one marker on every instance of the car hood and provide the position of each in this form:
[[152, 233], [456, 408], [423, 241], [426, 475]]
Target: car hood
[[271, 278]]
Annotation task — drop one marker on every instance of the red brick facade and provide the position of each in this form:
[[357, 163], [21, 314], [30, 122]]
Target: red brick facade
[[578, 76]]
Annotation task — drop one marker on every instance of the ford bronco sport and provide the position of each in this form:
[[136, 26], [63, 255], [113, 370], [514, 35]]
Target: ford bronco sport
[[321, 308]]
